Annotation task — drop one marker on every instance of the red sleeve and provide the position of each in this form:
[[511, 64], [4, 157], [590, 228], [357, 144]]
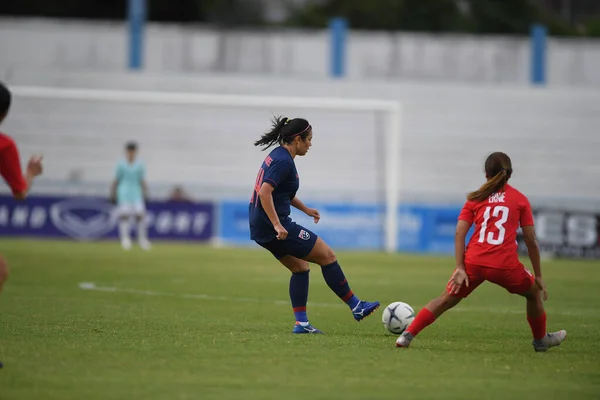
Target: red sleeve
[[526, 214], [467, 213], [10, 165]]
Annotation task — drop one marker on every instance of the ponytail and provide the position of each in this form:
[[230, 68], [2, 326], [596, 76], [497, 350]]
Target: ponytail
[[498, 170], [5, 97], [274, 135], [490, 187]]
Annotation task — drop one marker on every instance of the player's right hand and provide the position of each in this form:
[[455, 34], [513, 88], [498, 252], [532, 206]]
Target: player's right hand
[[281, 232], [34, 166], [458, 279], [539, 282]]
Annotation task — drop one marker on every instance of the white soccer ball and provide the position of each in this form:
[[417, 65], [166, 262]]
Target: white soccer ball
[[397, 317]]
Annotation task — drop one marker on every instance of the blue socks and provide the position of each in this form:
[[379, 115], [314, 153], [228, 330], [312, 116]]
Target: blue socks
[[299, 295], [334, 276], [335, 279]]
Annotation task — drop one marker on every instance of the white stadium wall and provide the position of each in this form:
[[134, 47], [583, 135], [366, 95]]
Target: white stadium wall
[[447, 131], [72, 45]]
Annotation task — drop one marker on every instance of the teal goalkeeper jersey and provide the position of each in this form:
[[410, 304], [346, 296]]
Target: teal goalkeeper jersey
[[130, 177]]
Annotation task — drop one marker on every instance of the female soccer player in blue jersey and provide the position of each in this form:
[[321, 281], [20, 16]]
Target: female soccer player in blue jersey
[[272, 228]]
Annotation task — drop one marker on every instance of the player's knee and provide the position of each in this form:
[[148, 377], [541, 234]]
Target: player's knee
[[533, 294], [300, 268], [3, 270], [294, 265], [447, 301], [329, 256], [321, 254]]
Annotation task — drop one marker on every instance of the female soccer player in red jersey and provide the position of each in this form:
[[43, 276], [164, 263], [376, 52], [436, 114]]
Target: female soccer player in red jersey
[[497, 210], [10, 169], [294, 245]]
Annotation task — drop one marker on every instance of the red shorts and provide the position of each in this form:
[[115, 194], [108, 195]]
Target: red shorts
[[516, 280]]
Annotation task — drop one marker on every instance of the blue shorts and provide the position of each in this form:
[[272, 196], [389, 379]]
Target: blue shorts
[[299, 242]]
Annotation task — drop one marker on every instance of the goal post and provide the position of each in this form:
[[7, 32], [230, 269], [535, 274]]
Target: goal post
[[391, 135]]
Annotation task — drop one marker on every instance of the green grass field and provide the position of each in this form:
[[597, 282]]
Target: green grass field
[[193, 322]]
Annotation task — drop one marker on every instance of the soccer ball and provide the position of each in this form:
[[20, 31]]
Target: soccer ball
[[397, 317]]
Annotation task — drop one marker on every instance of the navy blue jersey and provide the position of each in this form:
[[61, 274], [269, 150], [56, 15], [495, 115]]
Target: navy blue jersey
[[278, 170]]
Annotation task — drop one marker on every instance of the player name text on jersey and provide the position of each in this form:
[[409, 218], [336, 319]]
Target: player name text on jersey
[[497, 198]]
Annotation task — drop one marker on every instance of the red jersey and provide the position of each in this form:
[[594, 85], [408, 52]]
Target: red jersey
[[10, 165], [494, 242]]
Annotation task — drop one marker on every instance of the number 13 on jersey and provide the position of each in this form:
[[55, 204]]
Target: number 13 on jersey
[[502, 213]]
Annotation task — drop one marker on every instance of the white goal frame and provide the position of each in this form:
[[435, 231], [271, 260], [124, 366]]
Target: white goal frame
[[392, 110]]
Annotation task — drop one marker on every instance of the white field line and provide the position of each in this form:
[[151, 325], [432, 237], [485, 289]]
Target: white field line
[[91, 286]]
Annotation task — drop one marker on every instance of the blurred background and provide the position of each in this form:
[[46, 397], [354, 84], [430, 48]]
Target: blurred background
[[195, 82]]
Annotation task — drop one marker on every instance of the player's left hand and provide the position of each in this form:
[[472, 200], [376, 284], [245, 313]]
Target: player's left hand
[[311, 212], [459, 278], [34, 166], [539, 282]]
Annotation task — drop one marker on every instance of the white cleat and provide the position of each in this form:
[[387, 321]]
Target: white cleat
[[126, 244], [145, 245], [550, 340], [404, 340]]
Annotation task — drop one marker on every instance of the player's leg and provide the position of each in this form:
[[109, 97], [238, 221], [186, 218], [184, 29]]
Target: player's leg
[[142, 226], [125, 211], [521, 281], [536, 317], [298, 283], [436, 307], [324, 256], [427, 316]]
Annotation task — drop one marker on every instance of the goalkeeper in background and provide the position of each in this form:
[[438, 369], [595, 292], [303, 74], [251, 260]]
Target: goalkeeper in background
[[129, 191]]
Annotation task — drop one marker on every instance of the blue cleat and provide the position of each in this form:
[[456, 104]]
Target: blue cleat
[[1, 364], [364, 309], [305, 328]]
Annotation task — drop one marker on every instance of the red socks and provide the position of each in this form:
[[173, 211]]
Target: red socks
[[423, 320], [538, 326]]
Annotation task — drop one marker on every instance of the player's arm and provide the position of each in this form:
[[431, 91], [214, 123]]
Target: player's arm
[[297, 203], [29, 177], [526, 223], [115, 184], [265, 193], [533, 249], [459, 277], [10, 168], [311, 212], [462, 228], [274, 175], [145, 191], [113, 189], [465, 220]]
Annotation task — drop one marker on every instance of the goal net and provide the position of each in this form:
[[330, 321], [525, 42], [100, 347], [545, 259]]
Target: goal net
[[204, 142]]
